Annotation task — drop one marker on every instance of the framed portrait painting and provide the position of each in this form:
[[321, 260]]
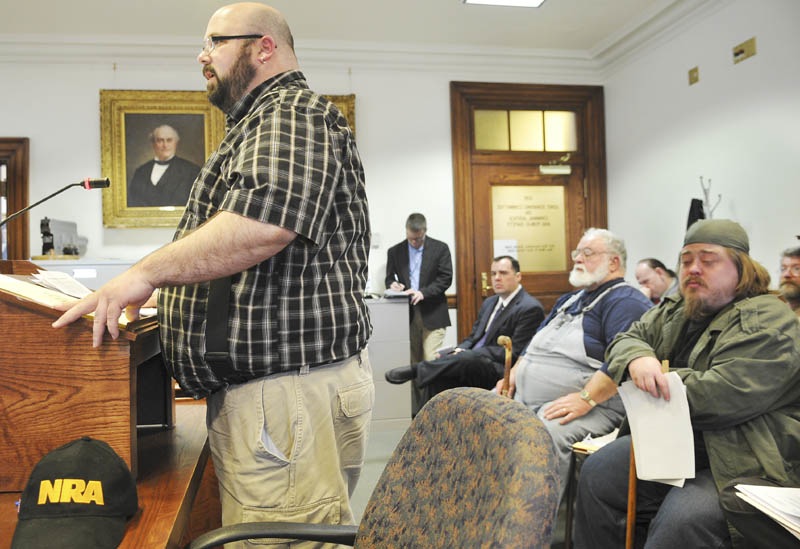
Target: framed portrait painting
[[153, 144], [347, 105]]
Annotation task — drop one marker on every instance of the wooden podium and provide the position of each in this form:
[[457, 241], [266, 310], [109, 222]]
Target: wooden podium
[[54, 387]]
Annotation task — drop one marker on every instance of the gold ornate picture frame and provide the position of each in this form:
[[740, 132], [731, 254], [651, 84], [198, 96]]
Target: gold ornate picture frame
[[127, 121], [347, 106]]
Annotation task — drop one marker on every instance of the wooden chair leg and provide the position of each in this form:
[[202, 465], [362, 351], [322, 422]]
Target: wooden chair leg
[[572, 481], [630, 527]]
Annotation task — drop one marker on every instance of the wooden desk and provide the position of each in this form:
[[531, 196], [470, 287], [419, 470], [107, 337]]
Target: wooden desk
[[178, 497], [54, 387]]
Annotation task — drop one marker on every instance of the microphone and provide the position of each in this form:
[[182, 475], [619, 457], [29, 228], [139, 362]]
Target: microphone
[[95, 183], [86, 184]]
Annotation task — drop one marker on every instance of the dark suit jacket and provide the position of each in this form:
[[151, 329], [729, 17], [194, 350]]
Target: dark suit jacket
[[435, 276], [482, 367], [172, 190], [519, 321]]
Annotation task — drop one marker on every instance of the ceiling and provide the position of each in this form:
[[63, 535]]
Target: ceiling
[[586, 26]]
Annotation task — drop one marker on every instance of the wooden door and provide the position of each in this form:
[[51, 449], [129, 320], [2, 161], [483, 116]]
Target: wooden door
[[537, 203], [14, 155], [489, 184]]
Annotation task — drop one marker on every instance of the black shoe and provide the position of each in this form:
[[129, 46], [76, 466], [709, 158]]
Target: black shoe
[[401, 374]]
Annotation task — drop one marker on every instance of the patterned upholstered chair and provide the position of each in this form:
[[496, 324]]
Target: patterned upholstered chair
[[473, 470]]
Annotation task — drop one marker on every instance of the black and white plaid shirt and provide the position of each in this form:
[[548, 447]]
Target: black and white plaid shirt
[[288, 158]]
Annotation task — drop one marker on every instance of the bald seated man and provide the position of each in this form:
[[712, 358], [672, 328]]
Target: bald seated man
[[655, 279]]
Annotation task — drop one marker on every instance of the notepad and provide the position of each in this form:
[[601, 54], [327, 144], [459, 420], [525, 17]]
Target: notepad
[[592, 444]]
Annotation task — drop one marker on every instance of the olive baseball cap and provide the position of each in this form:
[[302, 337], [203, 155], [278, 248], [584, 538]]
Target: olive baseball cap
[[722, 232]]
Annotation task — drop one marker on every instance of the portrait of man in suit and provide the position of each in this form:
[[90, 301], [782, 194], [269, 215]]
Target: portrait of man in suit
[[166, 179]]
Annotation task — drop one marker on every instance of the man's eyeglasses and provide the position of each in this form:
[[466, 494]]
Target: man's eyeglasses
[[587, 253], [794, 269], [211, 42]]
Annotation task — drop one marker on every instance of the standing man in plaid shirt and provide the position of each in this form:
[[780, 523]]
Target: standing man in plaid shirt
[[278, 220]]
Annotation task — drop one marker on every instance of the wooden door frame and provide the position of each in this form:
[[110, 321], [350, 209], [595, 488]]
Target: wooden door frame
[[15, 153], [464, 98]]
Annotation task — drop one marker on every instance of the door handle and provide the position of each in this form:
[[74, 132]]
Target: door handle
[[485, 286]]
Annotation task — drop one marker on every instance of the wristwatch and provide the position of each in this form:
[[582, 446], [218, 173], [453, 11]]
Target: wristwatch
[[585, 396]]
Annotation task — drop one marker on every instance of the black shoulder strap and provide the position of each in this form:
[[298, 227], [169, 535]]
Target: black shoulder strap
[[217, 355]]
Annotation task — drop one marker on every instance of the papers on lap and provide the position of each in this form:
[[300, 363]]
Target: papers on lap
[[781, 504], [592, 444]]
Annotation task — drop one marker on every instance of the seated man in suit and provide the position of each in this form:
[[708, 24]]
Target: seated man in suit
[[479, 360]]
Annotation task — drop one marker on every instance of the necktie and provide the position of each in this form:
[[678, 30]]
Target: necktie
[[482, 341]]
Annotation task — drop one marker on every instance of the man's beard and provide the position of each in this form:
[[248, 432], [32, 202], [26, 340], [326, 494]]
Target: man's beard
[[583, 279], [790, 290], [231, 89], [696, 307]]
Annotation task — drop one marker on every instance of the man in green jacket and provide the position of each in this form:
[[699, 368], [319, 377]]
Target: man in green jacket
[[737, 350]]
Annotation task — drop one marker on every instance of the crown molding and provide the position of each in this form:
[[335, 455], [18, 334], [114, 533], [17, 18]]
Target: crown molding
[[133, 51], [662, 24], [665, 21]]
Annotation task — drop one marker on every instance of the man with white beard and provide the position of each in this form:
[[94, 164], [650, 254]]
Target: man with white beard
[[554, 375]]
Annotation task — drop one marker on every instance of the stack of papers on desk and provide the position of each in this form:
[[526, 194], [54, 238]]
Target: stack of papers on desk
[[661, 431], [394, 293], [20, 286], [56, 291], [779, 503], [61, 282]]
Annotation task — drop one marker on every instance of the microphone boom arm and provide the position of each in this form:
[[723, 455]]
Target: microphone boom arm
[[88, 184]]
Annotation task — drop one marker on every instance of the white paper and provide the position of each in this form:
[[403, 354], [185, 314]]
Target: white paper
[[62, 282], [779, 503], [661, 432], [591, 444], [54, 298], [33, 292], [394, 293]]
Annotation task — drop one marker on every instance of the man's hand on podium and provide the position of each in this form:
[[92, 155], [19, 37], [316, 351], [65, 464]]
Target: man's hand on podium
[[124, 293]]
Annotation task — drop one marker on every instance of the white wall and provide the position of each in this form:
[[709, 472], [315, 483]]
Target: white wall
[[737, 127], [402, 122], [733, 127]]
